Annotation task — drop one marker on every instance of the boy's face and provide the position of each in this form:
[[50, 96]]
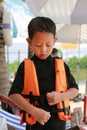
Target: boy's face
[[42, 44]]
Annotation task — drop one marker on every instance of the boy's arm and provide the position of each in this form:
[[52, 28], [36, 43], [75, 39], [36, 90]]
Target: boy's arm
[[71, 82], [70, 93], [72, 89], [55, 97], [40, 115]]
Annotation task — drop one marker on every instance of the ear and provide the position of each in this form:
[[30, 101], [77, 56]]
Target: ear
[[55, 39], [28, 40]]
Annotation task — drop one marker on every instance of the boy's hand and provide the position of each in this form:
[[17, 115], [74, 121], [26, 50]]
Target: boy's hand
[[53, 97], [41, 115]]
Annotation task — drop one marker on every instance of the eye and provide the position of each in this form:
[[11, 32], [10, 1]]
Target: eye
[[48, 45], [38, 45]]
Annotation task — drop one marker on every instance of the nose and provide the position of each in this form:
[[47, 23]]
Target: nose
[[43, 49]]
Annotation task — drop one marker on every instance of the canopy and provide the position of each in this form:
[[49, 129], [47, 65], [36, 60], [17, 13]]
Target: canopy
[[66, 14], [73, 33], [61, 11]]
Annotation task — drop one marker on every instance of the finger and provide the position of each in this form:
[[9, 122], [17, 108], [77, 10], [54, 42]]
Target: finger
[[48, 95], [50, 100], [42, 122], [48, 118], [50, 103], [45, 120], [49, 115]]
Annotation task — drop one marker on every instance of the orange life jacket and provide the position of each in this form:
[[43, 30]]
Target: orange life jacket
[[30, 79]]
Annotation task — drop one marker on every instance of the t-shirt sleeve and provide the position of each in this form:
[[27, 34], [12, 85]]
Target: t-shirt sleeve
[[70, 78], [18, 83]]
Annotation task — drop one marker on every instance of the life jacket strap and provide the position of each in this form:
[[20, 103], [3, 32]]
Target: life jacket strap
[[41, 100], [23, 113], [35, 100], [65, 110]]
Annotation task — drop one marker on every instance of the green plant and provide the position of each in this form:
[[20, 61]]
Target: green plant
[[78, 69], [14, 66], [79, 73]]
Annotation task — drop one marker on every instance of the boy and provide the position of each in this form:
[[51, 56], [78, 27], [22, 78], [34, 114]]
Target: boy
[[33, 89]]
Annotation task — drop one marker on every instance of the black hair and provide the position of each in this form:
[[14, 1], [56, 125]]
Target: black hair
[[42, 24]]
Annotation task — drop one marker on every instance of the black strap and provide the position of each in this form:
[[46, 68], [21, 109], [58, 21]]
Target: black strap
[[33, 99], [63, 104], [24, 113], [41, 100], [65, 110]]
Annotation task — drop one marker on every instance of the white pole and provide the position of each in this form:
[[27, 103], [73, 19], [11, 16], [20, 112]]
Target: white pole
[[78, 66]]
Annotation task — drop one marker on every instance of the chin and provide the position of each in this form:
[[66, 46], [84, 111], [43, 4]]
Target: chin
[[43, 57]]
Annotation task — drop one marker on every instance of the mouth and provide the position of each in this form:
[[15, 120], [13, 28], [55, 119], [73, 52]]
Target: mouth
[[43, 56]]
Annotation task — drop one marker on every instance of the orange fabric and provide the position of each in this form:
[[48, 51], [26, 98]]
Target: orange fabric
[[31, 85], [61, 86], [30, 80]]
